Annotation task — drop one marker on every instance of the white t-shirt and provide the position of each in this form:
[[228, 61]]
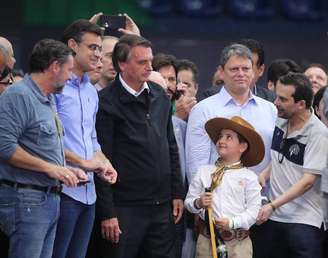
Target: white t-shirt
[[304, 151]]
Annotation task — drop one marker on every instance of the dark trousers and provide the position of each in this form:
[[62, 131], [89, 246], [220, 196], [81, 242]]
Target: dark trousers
[[293, 240], [258, 235], [4, 245], [147, 232]]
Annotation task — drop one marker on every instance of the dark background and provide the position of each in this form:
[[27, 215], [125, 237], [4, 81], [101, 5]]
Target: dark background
[[196, 36]]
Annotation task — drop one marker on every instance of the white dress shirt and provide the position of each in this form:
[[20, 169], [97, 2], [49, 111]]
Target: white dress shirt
[[238, 197], [132, 91], [200, 150]]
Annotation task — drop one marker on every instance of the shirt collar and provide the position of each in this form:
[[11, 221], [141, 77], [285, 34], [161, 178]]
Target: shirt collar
[[227, 98], [75, 80], [132, 91], [36, 90]]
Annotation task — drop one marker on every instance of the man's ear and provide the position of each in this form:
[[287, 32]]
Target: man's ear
[[261, 70], [72, 44], [122, 66], [54, 67]]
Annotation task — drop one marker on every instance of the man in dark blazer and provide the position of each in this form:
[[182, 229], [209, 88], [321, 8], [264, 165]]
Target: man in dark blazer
[[134, 128]]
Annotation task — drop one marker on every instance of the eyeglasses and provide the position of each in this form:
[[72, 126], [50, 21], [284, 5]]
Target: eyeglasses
[[93, 47]]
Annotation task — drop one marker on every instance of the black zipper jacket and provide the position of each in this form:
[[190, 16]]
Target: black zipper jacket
[[136, 134]]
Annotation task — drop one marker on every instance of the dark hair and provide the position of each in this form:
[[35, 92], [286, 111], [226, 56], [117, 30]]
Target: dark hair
[[45, 52], [161, 60], [280, 67], [77, 29], [18, 72], [317, 65], [302, 86], [318, 96], [123, 47], [185, 64], [256, 48]]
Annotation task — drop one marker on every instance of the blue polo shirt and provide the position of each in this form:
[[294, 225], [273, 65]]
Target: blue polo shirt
[[28, 120]]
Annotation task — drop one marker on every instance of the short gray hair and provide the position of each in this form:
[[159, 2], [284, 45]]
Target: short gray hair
[[234, 50]]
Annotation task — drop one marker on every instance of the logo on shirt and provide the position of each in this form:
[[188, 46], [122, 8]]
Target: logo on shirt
[[294, 150]]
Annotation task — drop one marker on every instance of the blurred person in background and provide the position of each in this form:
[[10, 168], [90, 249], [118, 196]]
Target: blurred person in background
[[278, 68], [318, 76]]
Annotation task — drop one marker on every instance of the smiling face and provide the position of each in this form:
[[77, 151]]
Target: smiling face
[[237, 75], [88, 52], [229, 147]]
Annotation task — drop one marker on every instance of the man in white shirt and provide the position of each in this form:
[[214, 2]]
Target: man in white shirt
[[235, 98], [299, 154]]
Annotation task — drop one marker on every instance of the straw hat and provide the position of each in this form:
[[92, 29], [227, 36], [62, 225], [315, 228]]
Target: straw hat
[[255, 152]]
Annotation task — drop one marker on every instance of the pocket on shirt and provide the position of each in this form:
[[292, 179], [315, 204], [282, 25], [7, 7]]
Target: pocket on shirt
[[47, 134]]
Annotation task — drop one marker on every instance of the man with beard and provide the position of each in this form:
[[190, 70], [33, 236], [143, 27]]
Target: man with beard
[[299, 154], [32, 165], [77, 106]]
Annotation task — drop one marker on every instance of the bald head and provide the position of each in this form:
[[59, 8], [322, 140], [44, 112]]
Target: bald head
[[9, 48]]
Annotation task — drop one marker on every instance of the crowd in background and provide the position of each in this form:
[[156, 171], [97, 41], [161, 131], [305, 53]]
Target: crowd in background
[[101, 139]]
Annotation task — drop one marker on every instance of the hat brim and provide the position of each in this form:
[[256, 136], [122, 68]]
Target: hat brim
[[255, 152]]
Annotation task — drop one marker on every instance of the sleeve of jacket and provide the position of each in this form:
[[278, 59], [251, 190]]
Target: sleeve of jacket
[[176, 180], [105, 130]]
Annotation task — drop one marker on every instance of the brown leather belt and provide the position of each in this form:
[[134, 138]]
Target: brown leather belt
[[47, 189], [226, 235]]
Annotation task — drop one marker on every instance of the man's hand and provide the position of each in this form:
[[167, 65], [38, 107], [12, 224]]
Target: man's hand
[[110, 230], [130, 26], [264, 214], [177, 209], [109, 174], [80, 174], [183, 106], [64, 175], [222, 223], [94, 19]]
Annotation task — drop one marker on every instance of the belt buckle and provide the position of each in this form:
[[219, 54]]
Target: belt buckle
[[227, 235]]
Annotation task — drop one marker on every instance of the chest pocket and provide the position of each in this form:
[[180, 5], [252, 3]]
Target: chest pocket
[[47, 134]]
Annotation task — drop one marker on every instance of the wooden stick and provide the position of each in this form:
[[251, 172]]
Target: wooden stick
[[212, 233]]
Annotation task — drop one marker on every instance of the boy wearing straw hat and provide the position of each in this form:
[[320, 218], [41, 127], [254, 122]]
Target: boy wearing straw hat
[[235, 192]]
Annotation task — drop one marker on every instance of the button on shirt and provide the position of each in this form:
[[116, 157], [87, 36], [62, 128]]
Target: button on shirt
[[77, 107], [237, 197], [27, 120], [200, 150]]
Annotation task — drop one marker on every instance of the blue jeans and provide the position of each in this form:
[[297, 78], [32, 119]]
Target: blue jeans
[[74, 228], [29, 218]]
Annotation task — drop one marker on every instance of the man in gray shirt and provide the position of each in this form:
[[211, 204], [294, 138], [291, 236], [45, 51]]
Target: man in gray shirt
[[31, 153]]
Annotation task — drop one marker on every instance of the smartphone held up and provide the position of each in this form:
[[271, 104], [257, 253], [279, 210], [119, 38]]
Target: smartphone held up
[[111, 24]]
